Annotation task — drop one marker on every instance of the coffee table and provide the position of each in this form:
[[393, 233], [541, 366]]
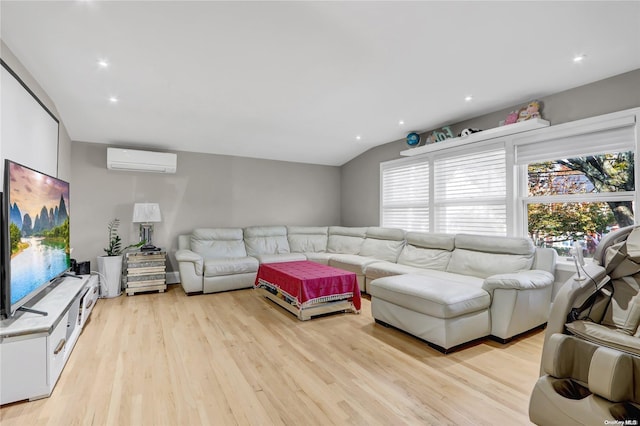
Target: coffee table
[[307, 288]]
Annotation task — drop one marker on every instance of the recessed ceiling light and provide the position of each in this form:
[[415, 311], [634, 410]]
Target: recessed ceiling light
[[401, 122], [103, 63], [113, 99], [468, 98], [579, 58], [358, 137]]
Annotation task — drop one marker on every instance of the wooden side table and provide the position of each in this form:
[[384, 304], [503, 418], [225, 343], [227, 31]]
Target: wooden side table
[[145, 271]]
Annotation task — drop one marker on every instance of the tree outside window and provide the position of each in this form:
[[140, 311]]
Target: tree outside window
[[579, 199]]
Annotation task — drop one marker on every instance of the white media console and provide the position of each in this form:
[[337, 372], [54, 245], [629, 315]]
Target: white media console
[[35, 348]]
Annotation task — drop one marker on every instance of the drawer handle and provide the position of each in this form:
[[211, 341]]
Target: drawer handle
[[95, 290], [60, 346], [90, 304]]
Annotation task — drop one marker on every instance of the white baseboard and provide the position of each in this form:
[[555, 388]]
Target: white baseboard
[[173, 277]]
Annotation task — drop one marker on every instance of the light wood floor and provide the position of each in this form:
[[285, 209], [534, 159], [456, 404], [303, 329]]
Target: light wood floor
[[236, 358]]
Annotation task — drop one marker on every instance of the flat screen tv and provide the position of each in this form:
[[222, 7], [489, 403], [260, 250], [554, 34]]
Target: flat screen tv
[[35, 231]]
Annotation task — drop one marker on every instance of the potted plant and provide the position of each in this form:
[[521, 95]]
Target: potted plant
[[110, 265]]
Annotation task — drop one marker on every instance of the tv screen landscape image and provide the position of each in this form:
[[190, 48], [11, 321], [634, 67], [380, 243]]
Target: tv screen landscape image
[[37, 215]]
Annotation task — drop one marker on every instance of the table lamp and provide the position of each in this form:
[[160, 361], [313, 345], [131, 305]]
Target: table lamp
[[146, 214]]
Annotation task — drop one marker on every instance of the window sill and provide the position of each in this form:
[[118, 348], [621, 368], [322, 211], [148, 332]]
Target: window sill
[[564, 264]]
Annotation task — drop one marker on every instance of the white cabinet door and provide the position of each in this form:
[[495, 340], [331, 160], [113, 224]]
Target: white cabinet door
[[23, 368], [56, 347]]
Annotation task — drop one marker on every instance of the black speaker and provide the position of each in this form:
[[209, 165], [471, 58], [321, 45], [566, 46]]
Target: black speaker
[[82, 268]]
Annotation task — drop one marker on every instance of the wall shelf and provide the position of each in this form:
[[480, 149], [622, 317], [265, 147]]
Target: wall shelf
[[496, 132]]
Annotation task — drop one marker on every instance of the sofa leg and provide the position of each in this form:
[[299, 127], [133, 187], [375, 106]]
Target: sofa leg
[[439, 348], [501, 340], [382, 323], [509, 339]]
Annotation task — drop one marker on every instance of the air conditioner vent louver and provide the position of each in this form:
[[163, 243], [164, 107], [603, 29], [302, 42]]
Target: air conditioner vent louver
[[141, 161]]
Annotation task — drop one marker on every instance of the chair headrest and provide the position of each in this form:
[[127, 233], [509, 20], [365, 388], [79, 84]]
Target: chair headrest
[[610, 239]]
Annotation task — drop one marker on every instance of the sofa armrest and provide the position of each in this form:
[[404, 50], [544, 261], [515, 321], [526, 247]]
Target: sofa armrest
[[191, 267], [523, 280], [185, 255], [519, 301]]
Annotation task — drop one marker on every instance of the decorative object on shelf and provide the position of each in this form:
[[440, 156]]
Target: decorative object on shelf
[[486, 134], [468, 131], [413, 139], [512, 117], [440, 135], [110, 265], [146, 214], [532, 110]]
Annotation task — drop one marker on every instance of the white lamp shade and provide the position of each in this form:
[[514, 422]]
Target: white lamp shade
[[146, 212]]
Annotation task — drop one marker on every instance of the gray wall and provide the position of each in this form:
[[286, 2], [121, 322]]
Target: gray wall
[[360, 193], [207, 191], [64, 142]]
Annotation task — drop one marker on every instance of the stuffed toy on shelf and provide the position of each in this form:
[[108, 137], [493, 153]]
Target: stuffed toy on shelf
[[530, 111], [512, 117]]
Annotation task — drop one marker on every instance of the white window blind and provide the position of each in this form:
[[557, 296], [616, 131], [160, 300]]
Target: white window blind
[[619, 139], [405, 195], [470, 193]]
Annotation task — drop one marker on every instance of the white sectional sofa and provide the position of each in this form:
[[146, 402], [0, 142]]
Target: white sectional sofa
[[445, 289], [463, 287]]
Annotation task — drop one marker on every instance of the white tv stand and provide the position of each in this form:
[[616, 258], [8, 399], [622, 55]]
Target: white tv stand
[[34, 348]]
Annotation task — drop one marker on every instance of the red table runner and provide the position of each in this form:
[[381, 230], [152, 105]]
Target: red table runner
[[307, 283]]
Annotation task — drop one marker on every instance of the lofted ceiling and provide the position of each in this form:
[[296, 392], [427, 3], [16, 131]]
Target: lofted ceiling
[[311, 82]]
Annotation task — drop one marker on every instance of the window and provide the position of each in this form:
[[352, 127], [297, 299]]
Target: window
[[470, 193], [578, 188], [405, 195], [558, 184], [448, 193]]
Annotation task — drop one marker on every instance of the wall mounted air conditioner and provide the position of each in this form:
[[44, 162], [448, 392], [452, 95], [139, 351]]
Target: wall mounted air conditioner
[[141, 161]]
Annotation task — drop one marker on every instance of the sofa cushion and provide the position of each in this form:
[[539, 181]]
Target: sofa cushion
[[382, 243], [323, 258], [266, 240], [230, 266], [381, 269], [308, 239], [428, 251], [382, 233], [431, 240], [500, 245], [351, 262], [218, 242], [483, 265], [345, 240], [424, 257], [483, 256], [431, 296]]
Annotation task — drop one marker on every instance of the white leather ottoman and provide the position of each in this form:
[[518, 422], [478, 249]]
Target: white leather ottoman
[[444, 309]]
